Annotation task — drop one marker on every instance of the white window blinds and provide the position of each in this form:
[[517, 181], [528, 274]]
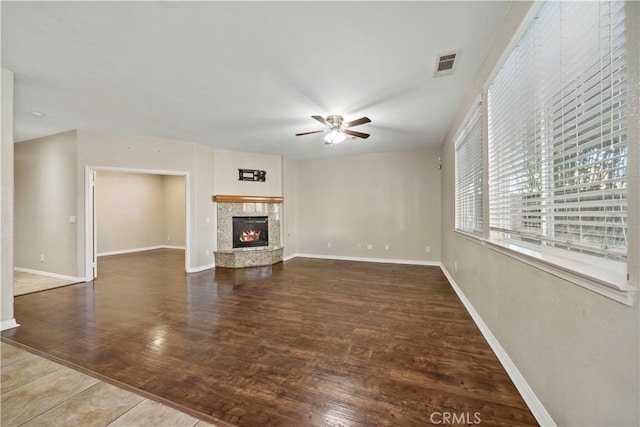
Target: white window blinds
[[468, 167], [557, 132]]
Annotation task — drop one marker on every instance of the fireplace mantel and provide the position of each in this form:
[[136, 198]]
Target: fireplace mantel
[[222, 198]]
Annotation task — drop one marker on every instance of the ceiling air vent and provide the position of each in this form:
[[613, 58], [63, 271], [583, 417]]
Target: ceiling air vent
[[445, 64]]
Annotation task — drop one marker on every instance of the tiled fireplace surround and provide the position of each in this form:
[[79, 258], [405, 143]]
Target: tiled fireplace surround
[[230, 206]]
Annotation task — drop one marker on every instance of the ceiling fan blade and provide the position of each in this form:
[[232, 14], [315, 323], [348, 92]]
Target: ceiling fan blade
[[354, 133], [357, 122], [321, 120], [308, 133]]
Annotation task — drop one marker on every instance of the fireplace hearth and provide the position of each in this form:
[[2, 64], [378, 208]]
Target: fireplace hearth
[[250, 231]]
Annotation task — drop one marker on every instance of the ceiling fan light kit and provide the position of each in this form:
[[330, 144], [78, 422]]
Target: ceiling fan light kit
[[334, 137], [338, 130]]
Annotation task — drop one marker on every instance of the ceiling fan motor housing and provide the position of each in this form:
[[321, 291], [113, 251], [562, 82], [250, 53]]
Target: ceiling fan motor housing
[[335, 121]]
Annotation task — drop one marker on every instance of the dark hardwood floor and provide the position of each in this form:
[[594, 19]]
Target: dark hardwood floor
[[307, 342]]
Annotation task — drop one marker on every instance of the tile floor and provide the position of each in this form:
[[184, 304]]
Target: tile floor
[[25, 283], [38, 392]]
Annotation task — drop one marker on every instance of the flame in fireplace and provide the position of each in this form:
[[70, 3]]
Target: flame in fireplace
[[250, 236]]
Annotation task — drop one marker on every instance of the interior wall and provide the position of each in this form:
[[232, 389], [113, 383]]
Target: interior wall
[[226, 168], [578, 350], [6, 199], [129, 211], [45, 200], [289, 206], [204, 180], [101, 149], [173, 201], [345, 204]]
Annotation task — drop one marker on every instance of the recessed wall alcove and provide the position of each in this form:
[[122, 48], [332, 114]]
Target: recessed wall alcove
[[228, 207]]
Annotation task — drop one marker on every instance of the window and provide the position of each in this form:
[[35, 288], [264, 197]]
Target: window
[[557, 135], [468, 167]]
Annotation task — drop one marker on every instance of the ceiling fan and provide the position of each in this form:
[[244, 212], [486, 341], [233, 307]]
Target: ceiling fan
[[337, 129]]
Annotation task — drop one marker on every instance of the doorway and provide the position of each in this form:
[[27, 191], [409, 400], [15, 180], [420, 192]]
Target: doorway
[[133, 210]]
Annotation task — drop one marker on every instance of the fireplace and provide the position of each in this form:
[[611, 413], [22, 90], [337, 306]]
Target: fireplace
[[232, 209], [250, 231]]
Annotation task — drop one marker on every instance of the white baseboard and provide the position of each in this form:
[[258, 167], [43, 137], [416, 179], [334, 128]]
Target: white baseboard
[[201, 268], [288, 257], [535, 405], [8, 324], [48, 274], [129, 251], [366, 259]]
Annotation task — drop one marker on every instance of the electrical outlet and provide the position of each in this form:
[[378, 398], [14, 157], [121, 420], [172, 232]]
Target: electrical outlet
[[208, 220], [208, 252], [455, 265], [328, 244], [427, 249], [369, 246], [386, 247], [73, 219], [41, 257], [168, 237]]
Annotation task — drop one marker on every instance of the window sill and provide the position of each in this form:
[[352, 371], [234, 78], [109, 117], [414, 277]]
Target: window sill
[[599, 279]]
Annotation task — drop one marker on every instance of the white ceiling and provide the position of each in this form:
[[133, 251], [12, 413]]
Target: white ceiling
[[245, 76]]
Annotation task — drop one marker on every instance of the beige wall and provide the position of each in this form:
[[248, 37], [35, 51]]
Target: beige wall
[[226, 168], [45, 199], [376, 199], [100, 149], [205, 210], [135, 211], [174, 210], [578, 350], [6, 198], [289, 206]]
